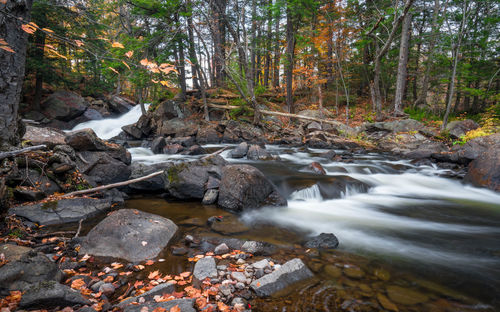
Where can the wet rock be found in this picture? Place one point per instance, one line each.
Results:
(354, 272)
(330, 155)
(129, 234)
(382, 274)
(258, 248)
(185, 141)
(105, 167)
(133, 131)
(171, 149)
(50, 294)
(332, 271)
(85, 140)
(323, 241)
(405, 296)
(195, 150)
(151, 185)
(289, 273)
(120, 105)
(458, 128)
(317, 168)
(179, 251)
(48, 136)
(92, 114)
(158, 144)
(208, 134)
(245, 187)
(29, 269)
(210, 197)
(192, 222)
(255, 152)
(205, 268)
(13, 252)
(240, 151)
(220, 249)
(229, 225)
(162, 289)
(386, 303)
(64, 105)
(484, 171)
(107, 289)
(64, 210)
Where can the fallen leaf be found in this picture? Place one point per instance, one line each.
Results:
(116, 265)
(77, 283)
(117, 45)
(108, 279)
(149, 262)
(185, 274)
(160, 309)
(154, 274)
(175, 309)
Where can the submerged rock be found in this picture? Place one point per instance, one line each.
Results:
(129, 234)
(229, 225)
(323, 241)
(405, 296)
(288, 274)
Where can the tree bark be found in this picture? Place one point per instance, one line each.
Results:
(192, 51)
(269, 38)
(402, 66)
(277, 56)
(12, 15)
(290, 57)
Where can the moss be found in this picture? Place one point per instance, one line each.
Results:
(52, 205)
(173, 174)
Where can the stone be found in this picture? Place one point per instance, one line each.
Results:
(382, 274)
(161, 289)
(92, 114)
(65, 210)
(332, 271)
(239, 151)
(288, 274)
(208, 134)
(238, 276)
(484, 171)
(386, 303)
(354, 272)
(323, 241)
(119, 105)
(195, 150)
(205, 268)
(212, 183)
(458, 128)
(255, 152)
(405, 296)
(258, 248)
(85, 140)
(244, 187)
(219, 250)
(330, 155)
(176, 126)
(13, 252)
(158, 144)
(64, 105)
(107, 289)
(185, 141)
(31, 268)
(105, 167)
(262, 264)
(151, 185)
(47, 136)
(51, 294)
(171, 149)
(133, 131)
(23, 194)
(314, 126)
(129, 234)
(317, 168)
(210, 197)
(229, 225)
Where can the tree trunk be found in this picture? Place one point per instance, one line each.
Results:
(290, 51)
(267, 65)
(192, 51)
(403, 63)
(12, 67)
(277, 56)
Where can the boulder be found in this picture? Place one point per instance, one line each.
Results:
(133, 131)
(239, 151)
(208, 134)
(176, 126)
(485, 170)
(162, 289)
(13, 252)
(255, 152)
(323, 241)
(106, 167)
(184, 305)
(129, 234)
(120, 105)
(288, 274)
(65, 210)
(205, 268)
(158, 144)
(48, 136)
(51, 294)
(173, 149)
(458, 128)
(64, 105)
(85, 140)
(185, 141)
(152, 185)
(43, 182)
(195, 150)
(29, 269)
(317, 168)
(472, 149)
(245, 187)
(92, 114)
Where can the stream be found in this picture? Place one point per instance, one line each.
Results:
(414, 231)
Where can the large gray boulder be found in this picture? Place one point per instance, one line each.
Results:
(105, 167)
(151, 185)
(129, 234)
(485, 170)
(65, 210)
(29, 269)
(85, 140)
(48, 136)
(458, 128)
(205, 267)
(209, 134)
(64, 105)
(51, 294)
(162, 289)
(120, 105)
(288, 274)
(245, 187)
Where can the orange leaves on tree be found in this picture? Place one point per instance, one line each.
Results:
(129, 54)
(48, 30)
(77, 283)
(114, 70)
(29, 28)
(149, 262)
(154, 275)
(117, 45)
(5, 46)
(79, 43)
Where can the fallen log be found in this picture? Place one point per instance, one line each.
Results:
(4, 155)
(267, 112)
(112, 185)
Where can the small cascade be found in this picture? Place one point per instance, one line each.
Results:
(308, 194)
(110, 127)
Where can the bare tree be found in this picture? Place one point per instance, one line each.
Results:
(402, 65)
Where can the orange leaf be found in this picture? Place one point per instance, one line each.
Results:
(108, 279)
(116, 265)
(77, 284)
(185, 274)
(28, 28)
(7, 48)
(160, 309)
(175, 309)
(117, 45)
(154, 275)
(149, 262)
(129, 54)
(126, 64)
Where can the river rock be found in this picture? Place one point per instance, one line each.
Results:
(177, 127)
(405, 296)
(51, 294)
(210, 197)
(129, 234)
(323, 241)
(29, 269)
(354, 272)
(105, 167)
(255, 152)
(245, 187)
(229, 225)
(64, 105)
(162, 289)
(85, 140)
(220, 249)
(48, 136)
(65, 210)
(332, 271)
(205, 268)
(208, 134)
(289, 273)
(119, 105)
(317, 168)
(171, 149)
(158, 144)
(133, 131)
(386, 303)
(258, 248)
(195, 150)
(458, 128)
(240, 151)
(13, 252)
(151, 185)
(184, 305)
(485, 170)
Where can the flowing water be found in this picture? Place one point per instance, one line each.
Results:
(416, 227)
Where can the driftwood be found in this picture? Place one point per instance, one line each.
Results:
(113, 185)
(267, 112)
(4, 155)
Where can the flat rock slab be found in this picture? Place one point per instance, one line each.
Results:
(51, 294)
(185, 305)
(62, 211)
(129, 234)
(205, 267)
(288, 274)
(48, 136)
(13, 252)
(165, 288)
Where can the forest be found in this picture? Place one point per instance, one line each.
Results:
(249, 155)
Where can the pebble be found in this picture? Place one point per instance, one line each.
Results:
(259, 273)
(239, 285)
(238, 276)
(221, 267)
(95, 287)
(221, 249)
(225, 289)
(240, 261)
(108, 289)
(262, 264)
(189, 238)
